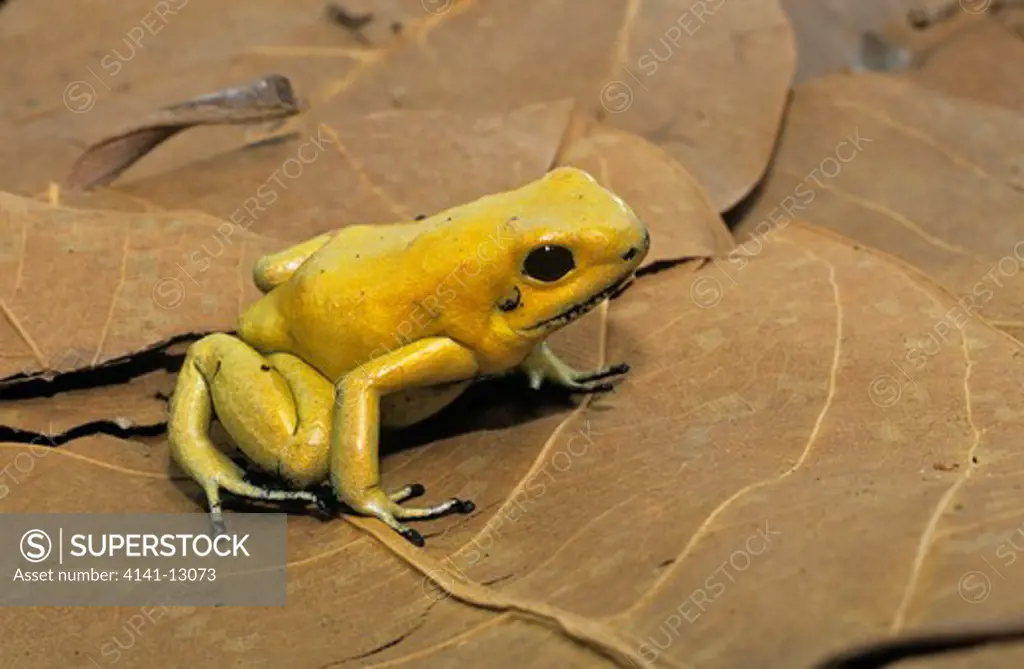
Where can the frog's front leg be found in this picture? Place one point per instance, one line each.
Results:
(354, 459)
(543, 365)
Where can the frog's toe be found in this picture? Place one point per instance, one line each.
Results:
(465, 506)
(410, 491)
(613, 370)
(413, 537)
(453, 505)
(327, 503)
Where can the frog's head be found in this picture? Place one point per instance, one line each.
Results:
(571, 245)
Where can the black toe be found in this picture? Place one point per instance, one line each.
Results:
(614, 370)
(464, 506)
(417, 490)
(326, 502)
(413, 537)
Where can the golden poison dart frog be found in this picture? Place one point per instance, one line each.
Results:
(384, 325)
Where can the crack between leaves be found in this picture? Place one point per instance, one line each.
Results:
(703, 529)
(116, 372)
(112, 372)
(9, 435)
(928, 536)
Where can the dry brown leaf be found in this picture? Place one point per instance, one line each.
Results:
(105, 65)
(760, 469)
(265, 100)
(934, 179)
(81, 288)
(976, 55)
(333, 170)
(830, 33)
(705, 81)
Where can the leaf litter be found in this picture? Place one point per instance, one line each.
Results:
(726, 506)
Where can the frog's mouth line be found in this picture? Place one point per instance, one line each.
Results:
(576, 311)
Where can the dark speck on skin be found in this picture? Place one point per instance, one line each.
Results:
(264, 368)
(449, 219)
(420, 217)
(357, 256)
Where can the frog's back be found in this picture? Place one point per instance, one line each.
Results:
(359, 296)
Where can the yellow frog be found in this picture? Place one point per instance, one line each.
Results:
(386, 325)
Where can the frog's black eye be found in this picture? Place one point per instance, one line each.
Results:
(548, 263)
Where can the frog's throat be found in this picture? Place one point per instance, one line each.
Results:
(579, 309)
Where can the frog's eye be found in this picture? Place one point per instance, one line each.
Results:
(548, 263)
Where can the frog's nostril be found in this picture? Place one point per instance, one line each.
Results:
(630, 254)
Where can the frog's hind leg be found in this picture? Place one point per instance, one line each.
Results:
(275, 269)
(276, 408)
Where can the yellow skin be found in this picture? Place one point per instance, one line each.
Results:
(386, 325)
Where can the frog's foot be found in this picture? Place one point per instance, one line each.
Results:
(587, 381)
(408, 492)
(238, 486)
(597, 381)
(542, 365)
(386, 507)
